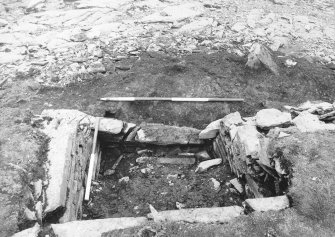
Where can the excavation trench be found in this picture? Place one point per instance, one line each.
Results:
(161, 175)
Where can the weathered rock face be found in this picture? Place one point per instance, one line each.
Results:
(95, 228)
(167, 135)
(268, 118)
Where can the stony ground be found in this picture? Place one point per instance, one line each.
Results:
(68, 54)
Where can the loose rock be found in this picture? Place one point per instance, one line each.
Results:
(268, 204)
(268, 118)
(205, 165)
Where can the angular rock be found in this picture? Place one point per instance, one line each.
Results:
(29, 215)
(238, 26)
(205, 165)
(237, 185)
(213, 128)
(268, 204)
(216, 184)
(260, 54)
(94, 228)
(10, 57)
(37, 189)
(252, 144)
(167, 135)
(31, 232)
(96, 67)
(176, 161)
(307, 122)
(196, 26)
(198, 215)
(268, 118)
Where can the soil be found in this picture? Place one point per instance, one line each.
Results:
(217, 74)
(165, 186)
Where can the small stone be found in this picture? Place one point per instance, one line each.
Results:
(180, 205)
(268, 118)
(124, 179)
(109, 172)
(37, 189)
(39, 210)
(29, 215)
(202, 155)
(3, 22)
(216, 184)
(205, 165)
(143, 159)
(237, 185)
(290, 63)
(238, 27)
(96, 67)
(81, 37)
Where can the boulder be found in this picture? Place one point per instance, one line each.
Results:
(269, 203)
(167, 135)
(268, 118)
(197, 215)
(94, 228)
(260, 54)
(213, 128)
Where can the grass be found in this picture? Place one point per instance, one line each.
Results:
(313, 181)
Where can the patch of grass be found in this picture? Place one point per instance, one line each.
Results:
(313, 180)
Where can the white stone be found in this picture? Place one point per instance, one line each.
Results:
(237, 185)
(95, 228)
(216, 184)
(29, 215)
(124, 179)
(31, 232)
(205, 165)
(39, 210)
(268, 204)
(198, 215)
(307, 122)
(37, 189)
(213, 128)
(268, 118)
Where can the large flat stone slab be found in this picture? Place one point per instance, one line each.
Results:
(198, 215)
(269, 118)
(167, 135)
(94, 228)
